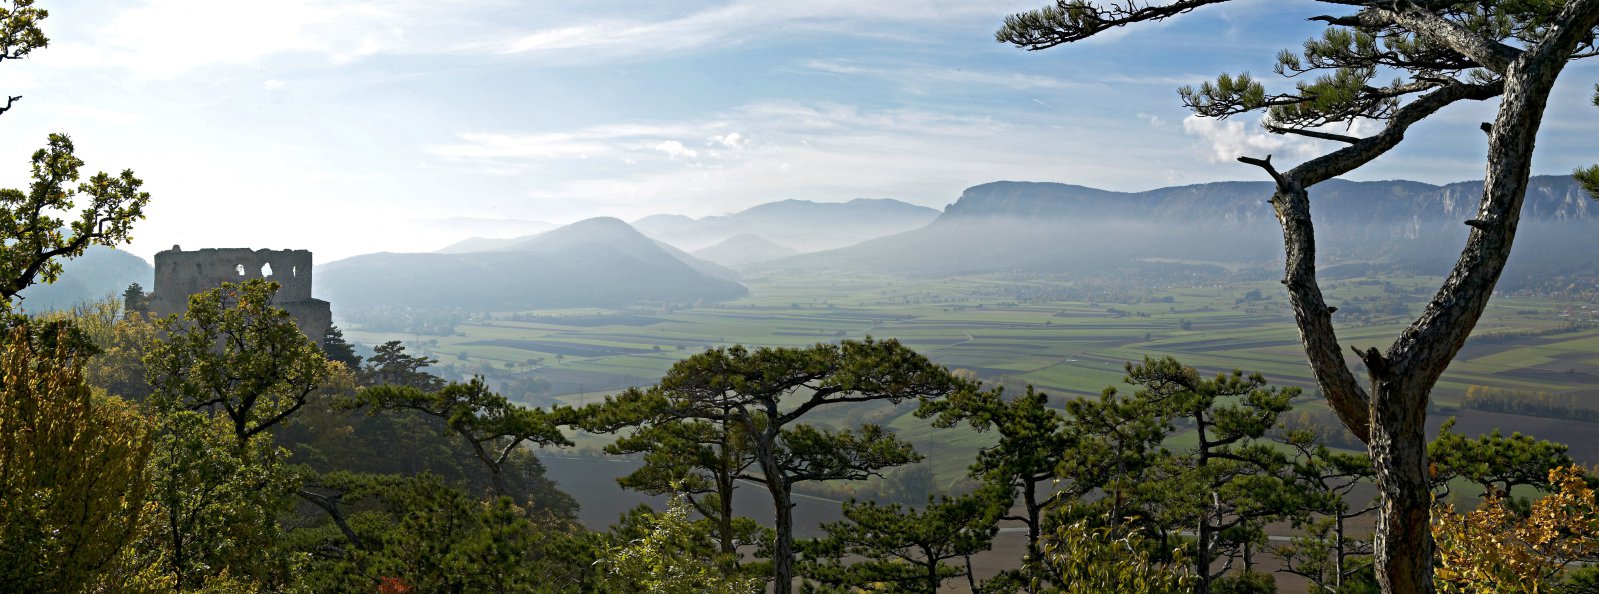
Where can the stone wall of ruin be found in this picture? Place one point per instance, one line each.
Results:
(180, 273)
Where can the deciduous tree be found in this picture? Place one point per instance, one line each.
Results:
(233, 352)
(73, 475)
(420, 534)
(36, 237)
(33, 236)
(673, 556)
(1495, 545)
(218, 500)
(1111, 557)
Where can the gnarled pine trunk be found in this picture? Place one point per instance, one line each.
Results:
(1402, 548)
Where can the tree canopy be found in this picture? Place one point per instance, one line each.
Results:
(766, 393)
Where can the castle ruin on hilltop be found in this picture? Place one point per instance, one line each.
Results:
(179, 274)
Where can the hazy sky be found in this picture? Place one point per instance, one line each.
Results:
(353, 126)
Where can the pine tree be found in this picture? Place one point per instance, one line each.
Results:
(1443, 52)
(765, 393)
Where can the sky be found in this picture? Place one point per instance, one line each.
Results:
(357, 126)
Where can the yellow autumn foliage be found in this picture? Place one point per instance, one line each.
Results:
(1493, 549)
(72, 472)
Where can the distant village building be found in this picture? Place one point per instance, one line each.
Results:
(179, 274)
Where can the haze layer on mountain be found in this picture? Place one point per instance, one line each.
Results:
(1195, 232)
(599, 262)
(1060, 228)
(798, 225)
(99, 273)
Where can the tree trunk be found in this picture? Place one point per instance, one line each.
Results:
(1402, 549)
(1338, 550)
(178, 560)
(724, 494)
(782, 506)
(726, 482)
(1030, 499)
(1391, 419)
(1202, 540)
(783, 549)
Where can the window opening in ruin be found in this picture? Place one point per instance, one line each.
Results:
(266, 270)
(294, 271)
(240, 269)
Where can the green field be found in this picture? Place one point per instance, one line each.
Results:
(972, 322)
(1007, 329)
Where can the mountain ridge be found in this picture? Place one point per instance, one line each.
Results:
(1054, 227)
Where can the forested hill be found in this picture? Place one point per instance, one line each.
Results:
(1051, 227)
(599, 262)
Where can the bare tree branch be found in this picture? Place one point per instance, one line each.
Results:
(1311, 134)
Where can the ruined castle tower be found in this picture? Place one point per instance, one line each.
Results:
(179, 274)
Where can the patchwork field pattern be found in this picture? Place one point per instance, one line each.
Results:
(1066, 348)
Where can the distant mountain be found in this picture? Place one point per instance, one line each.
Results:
(599, 262)
(1385, 204)
(743, 249)
(622, 236)
(1049, 227)
(615, 234)
(99, 272)
(801, 225)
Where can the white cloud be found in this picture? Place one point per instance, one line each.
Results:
(676, 150)
(1228, 139)
(738, 21)
(620, 142)
(942, 78)
(165, 39)
(811, 151)
(272, 85)
(731, 140)
(161, 39)
(1155, 121)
